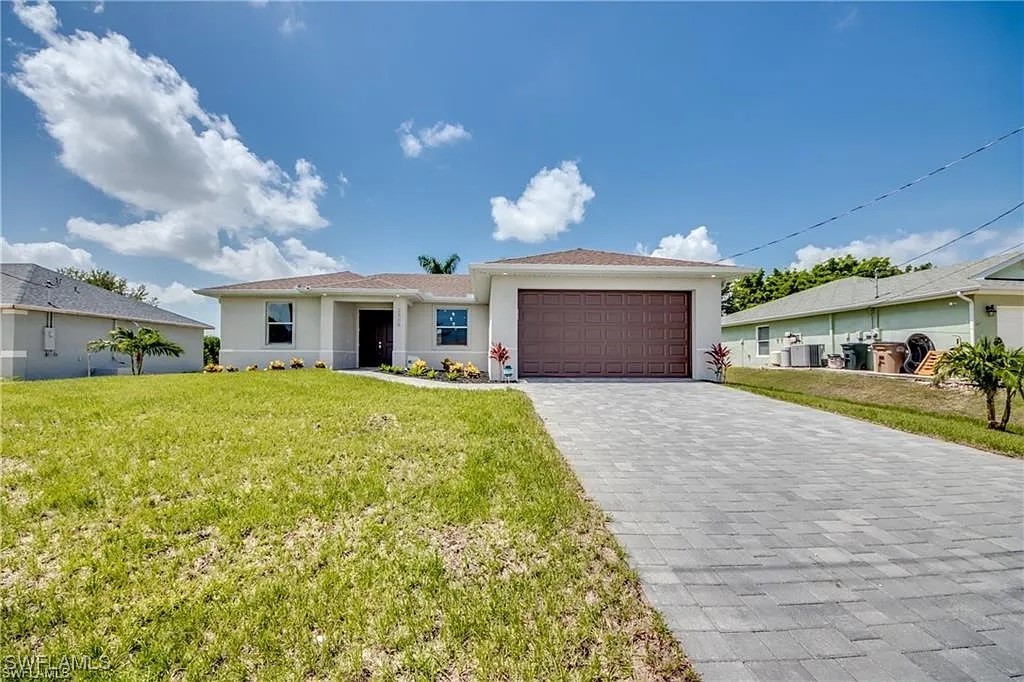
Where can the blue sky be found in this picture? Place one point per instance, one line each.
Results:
(189, 144)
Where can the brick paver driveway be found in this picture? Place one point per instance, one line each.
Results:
(784, 543)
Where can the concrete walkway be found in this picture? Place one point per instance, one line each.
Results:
(785, 543)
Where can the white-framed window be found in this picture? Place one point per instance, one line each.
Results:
(763, 343)
(452, 325)
(280, 323)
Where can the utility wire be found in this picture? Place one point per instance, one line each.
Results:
(877, 199)
(968, 233)
(963, 269)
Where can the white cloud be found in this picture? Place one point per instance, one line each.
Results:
(291, 25)
(39, 17)
(440, 134)
(554, 198)
(51, 255)
(697, 245)
(98, 7)
(133, 128)
(180, 299)
(898, 249)
(342, 183)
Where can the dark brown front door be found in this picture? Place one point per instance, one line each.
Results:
(565, 333)
(375, 338)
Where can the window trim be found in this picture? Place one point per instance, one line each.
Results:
(439, 346)
(758, 341)
(267, 323)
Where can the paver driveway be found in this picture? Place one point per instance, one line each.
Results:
(785, 543)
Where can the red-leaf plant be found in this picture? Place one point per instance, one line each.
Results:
(718, 360)
(500, 353)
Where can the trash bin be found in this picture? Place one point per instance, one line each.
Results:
(836, 361)
(785, 357)
(856, 355)
(889, 357)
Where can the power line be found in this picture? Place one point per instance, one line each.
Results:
(968, 233)
(877, 199)
(965, 268)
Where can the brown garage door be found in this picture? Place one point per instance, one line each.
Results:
(566, 333)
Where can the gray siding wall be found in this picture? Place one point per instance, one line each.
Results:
(24, 332)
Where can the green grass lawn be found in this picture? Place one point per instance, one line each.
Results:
(956, 415)
(304, 524)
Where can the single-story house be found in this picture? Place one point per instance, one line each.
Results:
(47, 318)
(577, 313)
(948, 305)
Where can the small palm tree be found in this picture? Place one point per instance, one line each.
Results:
(137, 344)
(989, 367)
(436, 267)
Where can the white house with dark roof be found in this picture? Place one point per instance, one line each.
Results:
(47, 318)
(578, 313)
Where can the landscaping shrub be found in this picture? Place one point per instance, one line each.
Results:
(419, 368)
(212, 368)
(211, 350)
(252, 368)
(276, 364)
(297, 363)
(990, 367)
(719, 361)
(470, 371)
(320, 364)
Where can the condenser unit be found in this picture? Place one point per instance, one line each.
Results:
(807, 354)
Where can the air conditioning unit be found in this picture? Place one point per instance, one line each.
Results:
(807, 354)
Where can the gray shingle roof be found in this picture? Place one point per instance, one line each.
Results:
(859, 292)
(25, 285)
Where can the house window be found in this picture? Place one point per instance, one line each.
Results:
(762, 341)
(280, 323)
(452, 326)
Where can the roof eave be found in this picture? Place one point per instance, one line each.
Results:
(196, 324)
(877, 303)
(306, 291)
(725, 272)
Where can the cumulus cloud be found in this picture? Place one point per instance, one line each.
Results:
(554, 199)
(696, 245)
(440, 134)
(51, 255)
(38, 17)
(133, 128)
(98, 7)
(898, 249)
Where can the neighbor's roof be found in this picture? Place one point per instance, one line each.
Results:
(433, 285)
(29, 286)
(853, 293)
(595, 257)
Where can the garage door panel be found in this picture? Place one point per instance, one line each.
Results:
(604, 333)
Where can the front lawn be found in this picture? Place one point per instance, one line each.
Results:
(307, 525)
(953, 414)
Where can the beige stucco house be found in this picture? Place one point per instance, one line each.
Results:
(577, 313)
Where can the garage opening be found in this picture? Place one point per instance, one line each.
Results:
(587, 333)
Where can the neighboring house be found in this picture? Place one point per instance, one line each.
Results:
(568, 314)
(47, 318)
(949, 305)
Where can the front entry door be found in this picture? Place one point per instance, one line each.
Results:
(375, 338)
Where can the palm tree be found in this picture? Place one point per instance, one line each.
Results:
(989, 367)
(436, 267)
(136, 344)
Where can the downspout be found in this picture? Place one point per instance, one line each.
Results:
(831, 333)
(970, 315)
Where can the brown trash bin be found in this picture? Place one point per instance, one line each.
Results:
(889, 357)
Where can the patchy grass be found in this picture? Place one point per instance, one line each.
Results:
(952, 414)
(307, 525)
